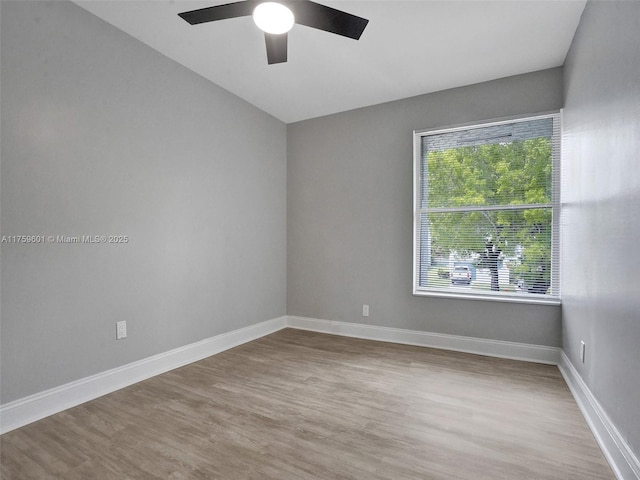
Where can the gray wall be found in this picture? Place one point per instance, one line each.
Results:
(601, 203)
(103, 135)
(350, 213)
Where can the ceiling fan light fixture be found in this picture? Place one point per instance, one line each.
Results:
(273, 17)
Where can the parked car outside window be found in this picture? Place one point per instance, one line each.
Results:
(461, 274)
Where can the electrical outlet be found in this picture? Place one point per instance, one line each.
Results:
(583, 347)
(365, 310)
(121, 330)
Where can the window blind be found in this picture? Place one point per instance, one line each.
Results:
(487, 209)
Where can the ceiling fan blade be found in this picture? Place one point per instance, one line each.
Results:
(329, 19)
(276, 47)
(220, 12)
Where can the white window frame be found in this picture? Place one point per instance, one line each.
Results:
(552, 299)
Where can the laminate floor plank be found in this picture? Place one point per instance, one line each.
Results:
(299, 405)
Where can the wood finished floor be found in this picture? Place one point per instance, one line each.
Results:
(299, 405)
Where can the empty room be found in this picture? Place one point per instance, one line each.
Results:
(307, 240)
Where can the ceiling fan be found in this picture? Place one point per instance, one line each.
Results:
(277, 18)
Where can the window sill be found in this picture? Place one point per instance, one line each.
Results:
(532, 300)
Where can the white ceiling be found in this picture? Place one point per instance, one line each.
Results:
(408, 48)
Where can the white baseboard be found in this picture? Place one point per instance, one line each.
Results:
(40, 405)
(623, 462)
(480, 346)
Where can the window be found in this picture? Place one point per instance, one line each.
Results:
(487, 210)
